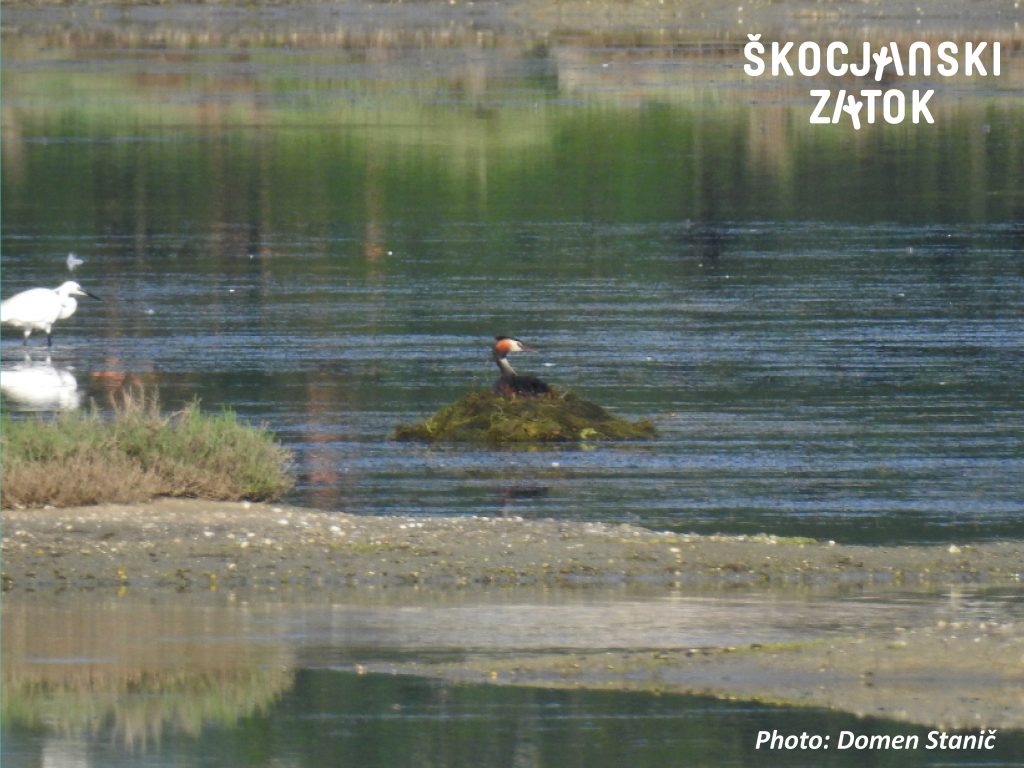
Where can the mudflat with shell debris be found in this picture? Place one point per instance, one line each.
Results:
(957, 674)
(175, 543)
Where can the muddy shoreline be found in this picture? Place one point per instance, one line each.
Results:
(178, 544)
(948, 677)
(303, 22)
(905, 665)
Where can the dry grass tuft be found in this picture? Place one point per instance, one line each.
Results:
(139, 453)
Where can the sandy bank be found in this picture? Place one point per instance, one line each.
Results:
(915, 664)
(950, 676)
(176, 543)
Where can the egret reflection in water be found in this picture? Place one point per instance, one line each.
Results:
(33, 385)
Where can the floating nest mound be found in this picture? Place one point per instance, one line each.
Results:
(486, 417)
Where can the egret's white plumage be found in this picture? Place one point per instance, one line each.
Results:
(37, 309)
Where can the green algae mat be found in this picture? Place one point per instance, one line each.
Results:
(559, 416)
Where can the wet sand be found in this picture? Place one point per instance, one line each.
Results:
(948, 676)
(183, 543)
(903, 664)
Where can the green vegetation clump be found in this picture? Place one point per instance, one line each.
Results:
(486, 417)
(138, 454)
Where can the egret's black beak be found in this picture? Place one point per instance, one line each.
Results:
(92, 296)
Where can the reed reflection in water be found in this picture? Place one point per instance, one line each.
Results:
(248, 679)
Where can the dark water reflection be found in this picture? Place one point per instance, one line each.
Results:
(254, 680)
(825, 324)
(340, 718)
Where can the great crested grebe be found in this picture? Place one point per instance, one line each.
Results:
(37, 309)
(510, 383)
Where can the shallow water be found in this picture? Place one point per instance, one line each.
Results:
(240, 679)
(319, 217)
(382, 721)
(785, 402)
(323, 235)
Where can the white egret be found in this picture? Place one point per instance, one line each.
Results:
(73, 261)
(37, 309)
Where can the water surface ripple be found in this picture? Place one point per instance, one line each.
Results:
(323, 237)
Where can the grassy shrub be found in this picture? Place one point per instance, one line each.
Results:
(139, 453)
(485, 417)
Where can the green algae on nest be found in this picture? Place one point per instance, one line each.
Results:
(559, 416)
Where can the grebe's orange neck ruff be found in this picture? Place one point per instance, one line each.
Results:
(511, 384)
(503, 346)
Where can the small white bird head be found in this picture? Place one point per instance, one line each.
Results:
(65, 292)
(71, 288)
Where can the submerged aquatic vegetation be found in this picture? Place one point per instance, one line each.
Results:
(139, 453)
(559, 416)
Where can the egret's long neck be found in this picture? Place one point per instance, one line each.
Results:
(68, 305)
(503, 365)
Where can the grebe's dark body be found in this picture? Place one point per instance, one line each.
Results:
(519, 386)
(510, 383)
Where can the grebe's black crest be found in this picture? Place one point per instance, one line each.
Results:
(510, 383)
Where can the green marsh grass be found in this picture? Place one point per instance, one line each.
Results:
(139, 453)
